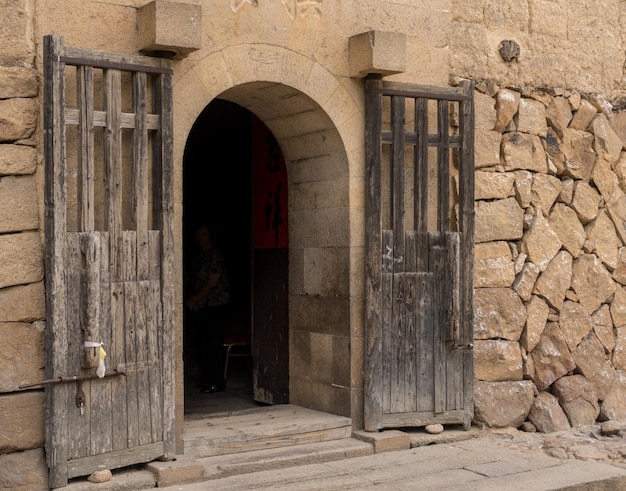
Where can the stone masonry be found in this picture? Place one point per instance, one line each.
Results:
(550, 256)
(550, 259)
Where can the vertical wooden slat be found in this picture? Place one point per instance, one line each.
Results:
(80, 443)
(113, 167)
(56, 417)
(411, 340)
(168, 280)
(372, 376)
(143, 377)
(397, 324)
(139, 200)
(443, 167)
(153, 325)
(437, 266)
(454, 363)
(388, 345)
(420, 156)
(86, 194)
(118, 347)
(131, 320)
(466, 227)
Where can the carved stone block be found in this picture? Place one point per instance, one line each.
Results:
(169, 27)
(377, 52)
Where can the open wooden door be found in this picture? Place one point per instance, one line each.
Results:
(419, 250)
(109, 260)
(270, 323)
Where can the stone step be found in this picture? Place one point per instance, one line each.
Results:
(277, 458)
(261, 428)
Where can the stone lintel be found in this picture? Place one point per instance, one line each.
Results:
(378, 52)
(173, 27)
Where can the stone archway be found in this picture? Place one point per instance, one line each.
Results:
(317, 120)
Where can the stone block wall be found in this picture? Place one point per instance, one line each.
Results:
(550, 258)
(22, 309)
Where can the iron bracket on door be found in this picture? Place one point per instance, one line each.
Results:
(468, 346)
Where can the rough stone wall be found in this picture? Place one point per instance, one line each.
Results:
(22, 310)
(550, 259)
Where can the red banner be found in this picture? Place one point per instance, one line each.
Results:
(270, 189)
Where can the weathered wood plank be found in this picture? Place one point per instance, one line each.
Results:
(143, 377)
(372, 374)
(168, 279)
(99, 119)
(56, 423)
(411, 341)
(443, 167)
(154, 321)
(139, 196)
(114, 460)
(387, 326)
(425, 91)
(113, 168)
(454, 368)
(466, 227)
(420, 174)
(426, 308)
(86, 192)
(79, 444)
(118, 388)
(399, 420)
(437, 266)
(130, 312)
(118, 61)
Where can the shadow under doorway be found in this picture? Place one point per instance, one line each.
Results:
(219, 178)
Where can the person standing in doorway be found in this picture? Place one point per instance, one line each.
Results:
(209, 302)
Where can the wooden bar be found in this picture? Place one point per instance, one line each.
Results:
(86, 193)
(411, 139)
(139, 197)
(443, 167)
(423, 91)
(118, 61)
(113, 168)
(99, 119)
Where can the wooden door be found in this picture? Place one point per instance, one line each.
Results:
(270, 339)
(419, 249)
(109, 259)
(270, 266)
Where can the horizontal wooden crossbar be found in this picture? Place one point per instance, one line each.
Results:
(127, 120)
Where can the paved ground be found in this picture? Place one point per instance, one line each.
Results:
(580, 459)
(491, 463)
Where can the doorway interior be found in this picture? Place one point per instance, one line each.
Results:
(225, 149)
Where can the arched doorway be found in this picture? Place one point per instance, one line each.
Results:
(325, 267)
(235, 179)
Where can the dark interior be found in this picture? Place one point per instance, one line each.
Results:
(217, 187)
